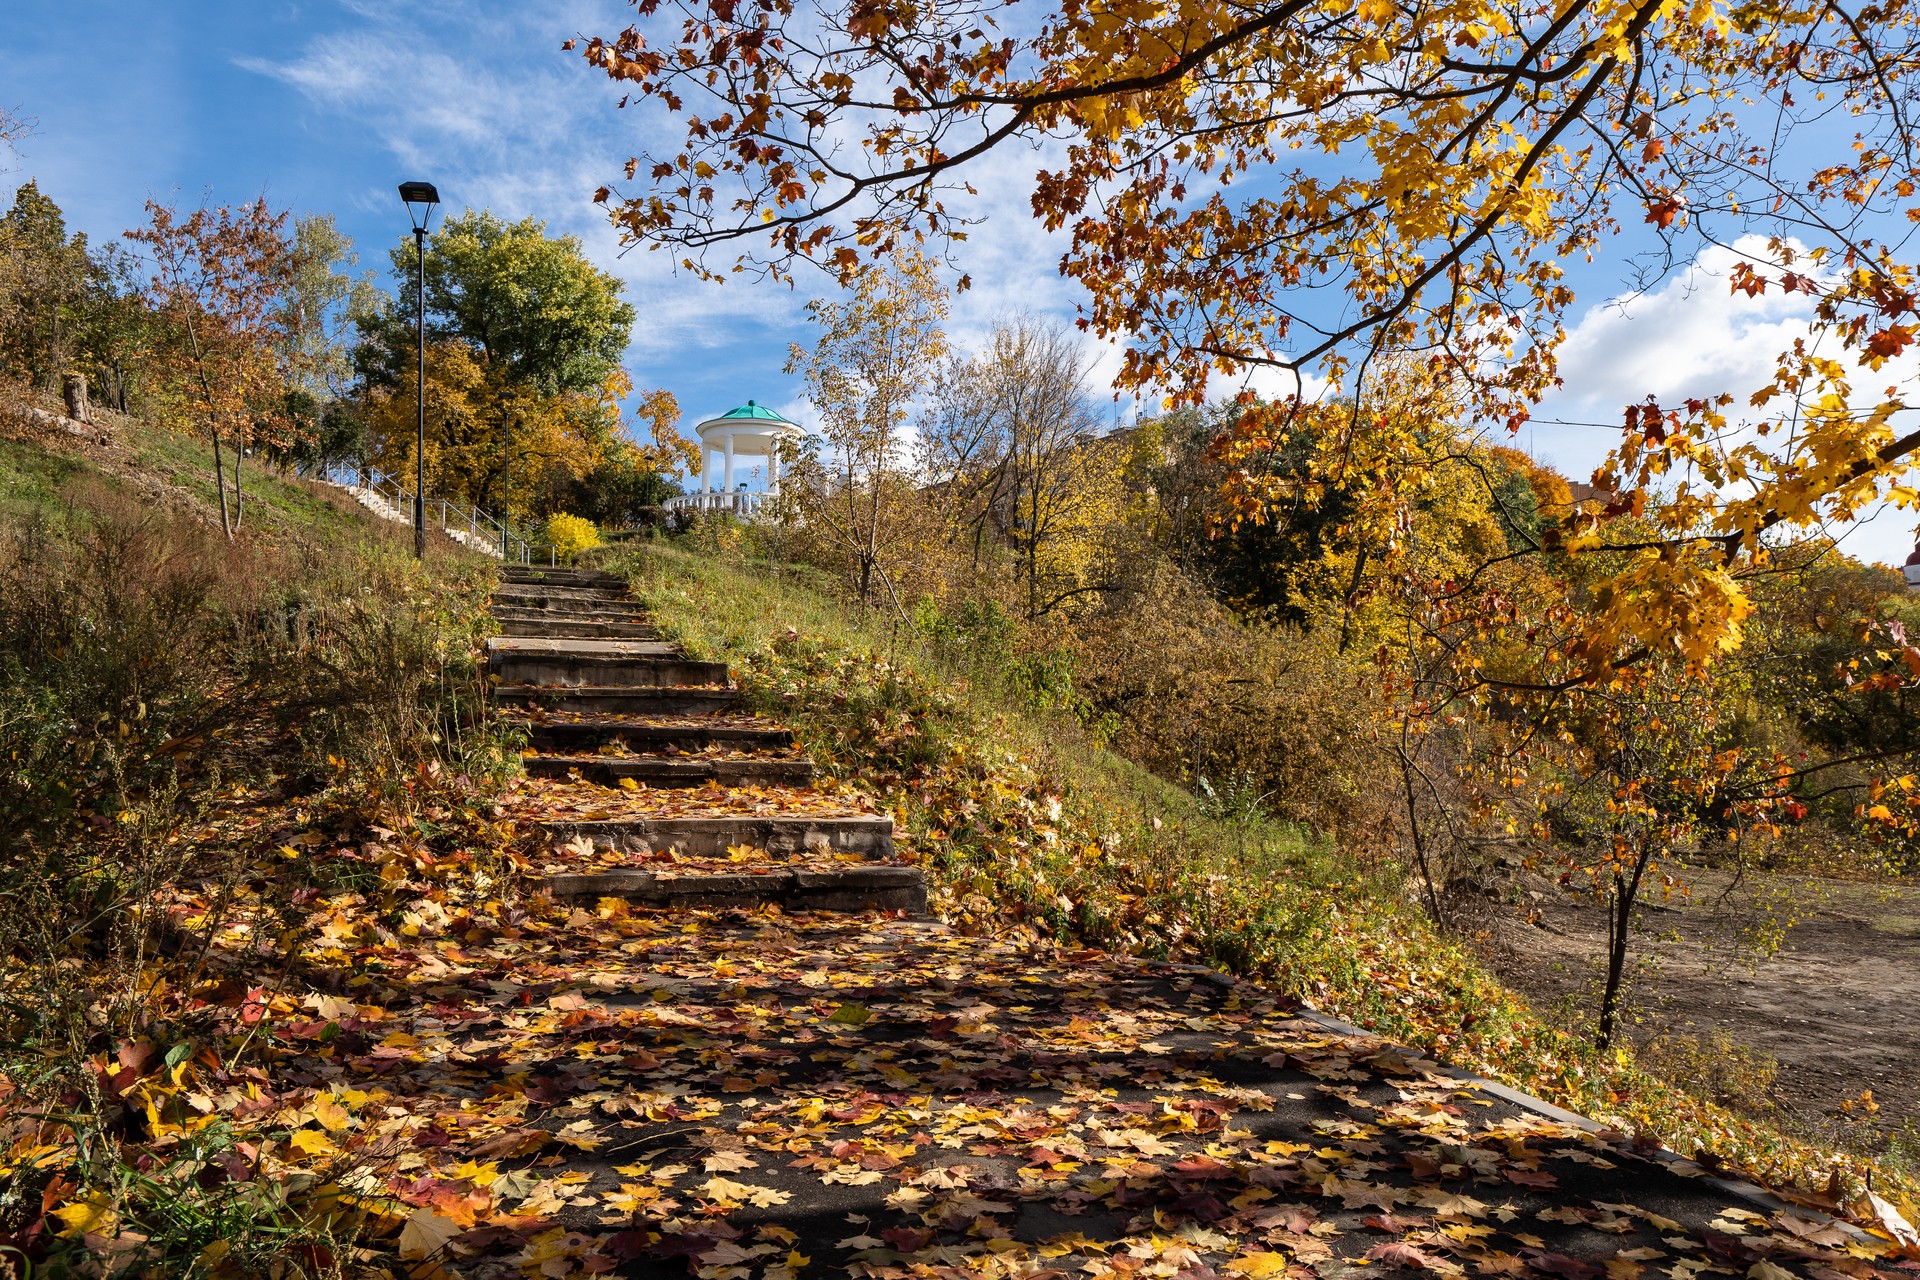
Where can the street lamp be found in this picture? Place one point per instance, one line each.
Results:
(420, 198)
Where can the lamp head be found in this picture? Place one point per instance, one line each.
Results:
(420, 198)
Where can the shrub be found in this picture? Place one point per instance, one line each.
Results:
(160, 688)
(571, 535)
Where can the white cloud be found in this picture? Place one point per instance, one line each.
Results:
(482, 101)
(1694, 336)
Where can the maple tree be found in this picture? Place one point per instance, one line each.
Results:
(219, 278)
(1303, 186)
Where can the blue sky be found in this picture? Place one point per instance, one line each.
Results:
(326, 105)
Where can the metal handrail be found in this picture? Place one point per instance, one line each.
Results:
(514, 546)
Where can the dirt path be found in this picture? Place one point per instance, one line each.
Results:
(1837, 1006)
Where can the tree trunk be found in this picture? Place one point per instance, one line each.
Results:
(220, 483)
(1033, 554)
(1626, 890)
(1419, 838)
(1353, 591)
(73, 390)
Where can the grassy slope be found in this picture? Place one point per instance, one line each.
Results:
(158, 464)
(1021, 818)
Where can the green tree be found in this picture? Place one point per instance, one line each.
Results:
(324, 297)
(116, 330)
(622, 485)
(46, 277)
(531, 303)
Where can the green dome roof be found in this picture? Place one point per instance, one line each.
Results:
(750, 410)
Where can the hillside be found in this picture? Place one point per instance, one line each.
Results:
(41, 464)
(335, 783)
(1027, 819)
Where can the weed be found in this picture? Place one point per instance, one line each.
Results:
(1715, 1068)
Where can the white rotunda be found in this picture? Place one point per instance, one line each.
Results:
(751, 431)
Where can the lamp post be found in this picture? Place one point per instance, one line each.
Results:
(420, 198)
(506, 480)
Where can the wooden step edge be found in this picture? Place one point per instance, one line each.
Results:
(657, 770)
(848, 889)
(865, 835)
(501, 657)
(516, 630)
(771, 737)
(658, 692)
(713, 733)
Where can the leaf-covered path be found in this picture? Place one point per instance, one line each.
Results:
(693, 1083)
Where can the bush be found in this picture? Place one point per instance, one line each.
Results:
(570, 535)
(160, 690)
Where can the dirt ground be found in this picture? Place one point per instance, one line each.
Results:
(1836, 1005)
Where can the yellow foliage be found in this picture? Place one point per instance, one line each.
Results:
(570, 535)
(1312, 189)
(473, 414)
(95, 1214)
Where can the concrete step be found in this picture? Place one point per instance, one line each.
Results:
(541, 575)
(593, 611)
(550, 598)
(542, 625)
(585, 735)
(870, 836)
(568, 582)
(834, 889)
(655, 771)
(618, 699)
(628, 611)
(596, 663)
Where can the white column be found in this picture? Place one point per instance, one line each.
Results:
(728, 486)
(773, 466)
(706, 467)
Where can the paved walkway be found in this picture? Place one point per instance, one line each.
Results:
(642, 1070)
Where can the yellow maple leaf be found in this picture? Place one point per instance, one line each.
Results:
(312, 1142)
(480, 1175)
(331, 1115)
(727, 1191)
(94, 1214)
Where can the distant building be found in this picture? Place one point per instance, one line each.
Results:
(751, 431)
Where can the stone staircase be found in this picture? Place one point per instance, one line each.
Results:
(651, 781)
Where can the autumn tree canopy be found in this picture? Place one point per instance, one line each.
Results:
(1306, 185)
(532, 303)
(219, 287)
(526, 336)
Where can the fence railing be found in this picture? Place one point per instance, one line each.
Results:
(741, 503)
(465, 523)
